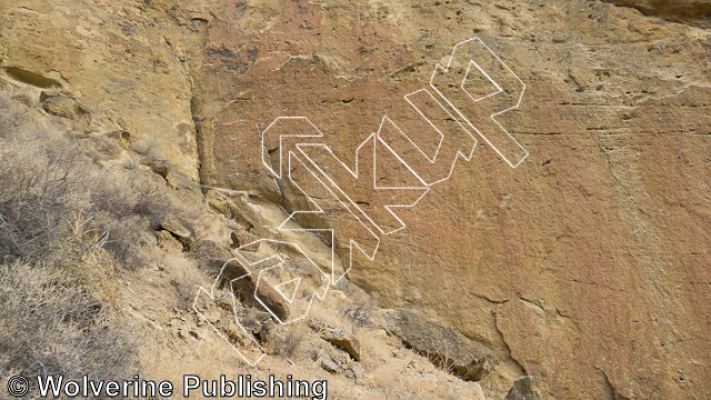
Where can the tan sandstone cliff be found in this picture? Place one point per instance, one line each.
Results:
(588, 266)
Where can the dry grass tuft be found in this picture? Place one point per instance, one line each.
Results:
(360, 310)
(293, 341)
(48, 325)
(52, 187)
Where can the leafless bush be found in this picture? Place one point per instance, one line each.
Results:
(293, 339)
(36, 183)
(361, 308)
(48, 325)
(47, 180)
(442, 357)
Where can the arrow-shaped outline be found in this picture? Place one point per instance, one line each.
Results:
(351, 243)
(265, 152)
(240, 259)
(375, 137)
(434, 159)
(211, 296)
(445, 70)
(325, 277)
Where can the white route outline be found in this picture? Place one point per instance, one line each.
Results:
(325, 277)
(240, 259)
(248, 334)
(434, 158)
(265, 151)
(339, 194)
(320, 211)
(296, 289)
(494, 115)
(469, 67)
(356, 174)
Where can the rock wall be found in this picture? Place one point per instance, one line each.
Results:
(587, 266)
(696, 12)
(127, 63)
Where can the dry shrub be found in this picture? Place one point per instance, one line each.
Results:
(361, 308)
(48, 325)
(442, 358)
(48, 181)
(293, 341)
(186, 280)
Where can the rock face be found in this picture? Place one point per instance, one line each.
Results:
(694, 11)
(586, 266)
(444, 346)
(524, 388)
(127, 63)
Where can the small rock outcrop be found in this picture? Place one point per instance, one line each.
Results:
(696, 11)
(327, 363)
(344, 340)
(63, 104)
(168, 242)
(172, 224)
(122, 137)
(211, 256)
(161, 167)
(444, 346)
(524, 388)
(243, 281)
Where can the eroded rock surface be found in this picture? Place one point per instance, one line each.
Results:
(603, 229)
(524, 388)
(585, 267)
(689, 11)
(126, 62)
(444, 346)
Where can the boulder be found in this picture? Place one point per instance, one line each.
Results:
(524, 388)
(444, 346)
(329, 365)
(122, 136)
(161, 167)
(63, 104)
(168, 242)
(243, 281)
(174, 225)
(344, 340)
(326, 361)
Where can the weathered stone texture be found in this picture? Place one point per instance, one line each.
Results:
(587, 267)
